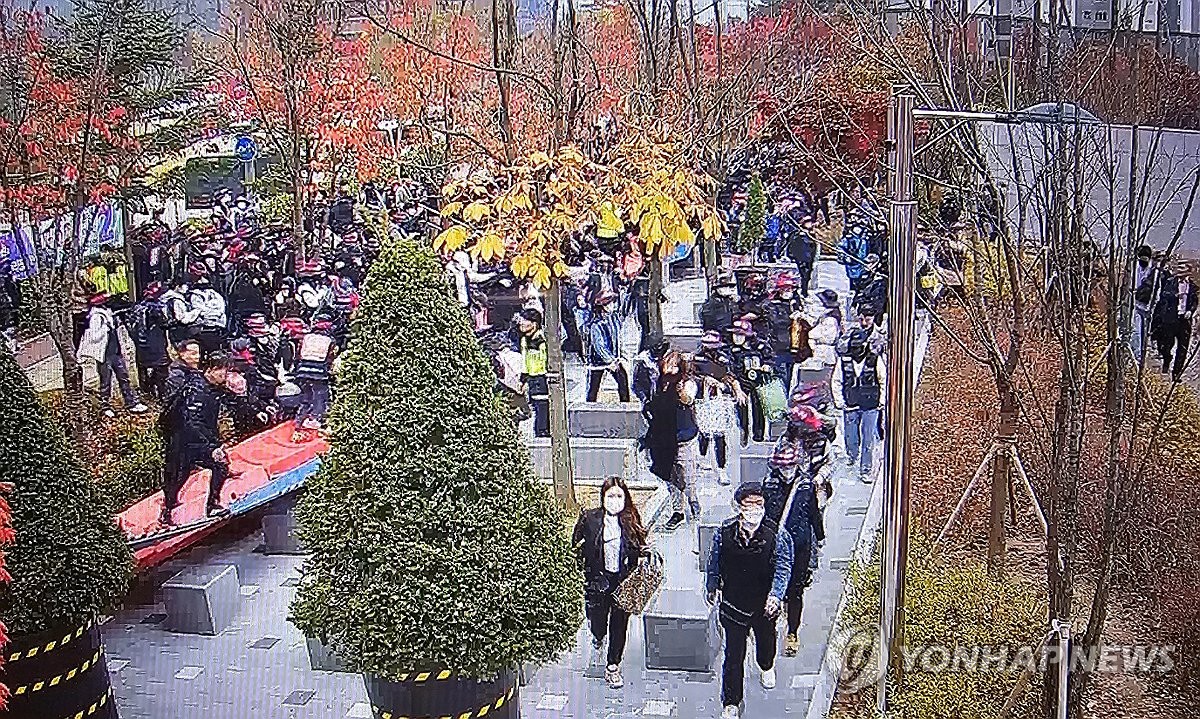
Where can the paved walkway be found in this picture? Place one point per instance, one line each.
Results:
(259, 666)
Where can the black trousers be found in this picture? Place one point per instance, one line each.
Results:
(606, 618)
(721, 445)
(795, 605)
(733, 671)
(539, 400)
(1176, 339)
(804, 270)
(751, 415)
(181, 460)
(596, 376)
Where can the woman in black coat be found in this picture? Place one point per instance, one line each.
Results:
(609, 540)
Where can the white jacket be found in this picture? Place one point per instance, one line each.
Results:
(179, 309)
(823, 339)
(210, 306)
(94, 343)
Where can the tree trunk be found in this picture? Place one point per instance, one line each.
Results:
(60, 328)
(1006, 436)
(562, 471)
(654, 301)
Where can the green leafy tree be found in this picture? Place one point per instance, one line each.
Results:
(69, 560)
(754, 228)
(432, 545)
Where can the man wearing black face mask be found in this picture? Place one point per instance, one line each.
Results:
(857, 388)
(1146, 284)
(750, 564)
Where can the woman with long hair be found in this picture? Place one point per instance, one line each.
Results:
(609, 540)
(672, 431)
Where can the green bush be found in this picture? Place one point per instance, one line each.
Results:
(432, 545)
(754, 228)
(950, 601)
(70, 560)
(135, 468)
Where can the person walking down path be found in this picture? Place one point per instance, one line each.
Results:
(609, 541)
(603, 329)
(101, 344)
(857, 388)
(717, 401)
(1173, 316)
(1146, 284)
(749, 568)
(671, 434)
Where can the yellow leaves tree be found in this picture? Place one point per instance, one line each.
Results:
(667, 197)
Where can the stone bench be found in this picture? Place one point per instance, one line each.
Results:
(323, 659)
(279, 534)
(202, 600)
(685, 338)
(594, 458)
(681, 632)
(752, 466)
(600, 420)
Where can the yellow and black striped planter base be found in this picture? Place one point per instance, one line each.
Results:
(60, 674)
(443, 695)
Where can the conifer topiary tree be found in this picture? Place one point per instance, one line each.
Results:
(754, 227)
(432, 544)
(69, 560)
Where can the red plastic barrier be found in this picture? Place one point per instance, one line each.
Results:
(252, 465)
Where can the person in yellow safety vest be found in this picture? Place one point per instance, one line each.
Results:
(533, 352)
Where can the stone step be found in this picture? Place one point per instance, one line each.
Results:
(606, 420)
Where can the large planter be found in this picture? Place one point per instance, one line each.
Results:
(59, 674)
(442, 694)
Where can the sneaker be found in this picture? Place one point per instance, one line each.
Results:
(109, 413)
(139, 408)
(767, 679)
(597, 643)
(723, 477)
(791, 646)
(216, 510)
(612, 675)
(165, 518)
(866, 477)
(730, 712)
(674, 522)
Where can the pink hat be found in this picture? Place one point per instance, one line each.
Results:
(743, 327)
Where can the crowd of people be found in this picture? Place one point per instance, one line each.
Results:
(233, 319)
(777, 351)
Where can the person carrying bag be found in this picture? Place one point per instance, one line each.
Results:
(610, 543)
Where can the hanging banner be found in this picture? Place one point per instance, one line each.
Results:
(100, 228)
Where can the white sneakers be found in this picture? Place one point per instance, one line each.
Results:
(731, 712)
(139, 408)
(612, 675)
(723, 476)
(767, 679)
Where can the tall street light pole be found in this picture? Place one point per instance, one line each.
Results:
(901, 381)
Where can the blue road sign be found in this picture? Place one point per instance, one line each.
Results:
(246, 149)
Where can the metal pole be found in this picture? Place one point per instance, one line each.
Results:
(901, 380)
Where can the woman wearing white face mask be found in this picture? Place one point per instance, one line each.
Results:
(609, 540)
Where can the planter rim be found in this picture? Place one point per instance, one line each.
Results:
(44, 642)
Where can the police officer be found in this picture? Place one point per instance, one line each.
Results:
(194, 441)
(750, 565)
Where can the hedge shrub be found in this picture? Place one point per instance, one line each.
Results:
(134, 468)
(69, 560)
(432, 544)
(950, 601)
